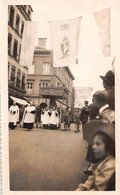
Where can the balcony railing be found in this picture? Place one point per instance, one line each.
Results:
(59, 93)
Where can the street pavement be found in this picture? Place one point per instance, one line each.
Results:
(46, 160)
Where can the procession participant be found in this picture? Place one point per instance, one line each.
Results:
(84, 114)
(109, 84)
(102, 138)
(54, 118)
(77, 120)
(21, 111)
(38, 113)
(46, 118)
(13, 115)
(29, 116)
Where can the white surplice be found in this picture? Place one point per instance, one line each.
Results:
(14, 114)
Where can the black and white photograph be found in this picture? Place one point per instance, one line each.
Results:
(61, 75)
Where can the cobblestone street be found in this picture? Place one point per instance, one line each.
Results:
(49, 160)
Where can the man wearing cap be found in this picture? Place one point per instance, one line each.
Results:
(84, 114)
(109, 84)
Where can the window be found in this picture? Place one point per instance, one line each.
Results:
(23, 81)
(18, 79)
(19, 51)
(29, 13)
(46, 68)
(8, 68)
(11, 18)
(13, 74)
(15, 49)
(22, 28)
(44, 85)
(9, 43)
(17, 22)
(29, 87)
(24, 7)
(58, 84)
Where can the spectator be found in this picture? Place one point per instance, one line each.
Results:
(102, 137)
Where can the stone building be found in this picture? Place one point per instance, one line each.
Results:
(17, 75)
(48, 85)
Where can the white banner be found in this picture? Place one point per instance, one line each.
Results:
(103, 24)
(28, 43)
(64, 36)
(82, 94)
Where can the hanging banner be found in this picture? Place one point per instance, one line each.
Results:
(82, 94)
(28, 43)
(64, 36)
(103, 23)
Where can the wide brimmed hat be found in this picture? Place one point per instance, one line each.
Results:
(95, 126)
(109, 78)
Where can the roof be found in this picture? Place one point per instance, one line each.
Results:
(69, 72)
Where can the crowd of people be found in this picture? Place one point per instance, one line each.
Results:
(98, 126)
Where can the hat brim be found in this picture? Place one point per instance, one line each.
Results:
(106, 80)
(95, 126)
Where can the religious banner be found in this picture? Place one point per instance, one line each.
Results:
(82, 94)
(28, 43)
(64, 36)
(103, 24)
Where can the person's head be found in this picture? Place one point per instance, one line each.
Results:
(103, 145)
(14, 103)
(86, 103)
(31, 103)
(108, 80)
(100, 98)
(46, 108)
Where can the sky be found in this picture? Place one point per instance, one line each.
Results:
(92, 62)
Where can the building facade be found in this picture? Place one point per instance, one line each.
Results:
(17, 75)
(48, 85)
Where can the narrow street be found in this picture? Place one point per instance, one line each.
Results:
(46, 160)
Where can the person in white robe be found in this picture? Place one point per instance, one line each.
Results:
(54, 118)
(13, 115)
(46, 118)
(29, 117)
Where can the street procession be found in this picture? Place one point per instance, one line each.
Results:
(61, 96)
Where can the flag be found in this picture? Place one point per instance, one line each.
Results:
(64, 36)
(103, 24)
(28, 43)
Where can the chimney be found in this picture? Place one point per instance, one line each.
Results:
(42, 42)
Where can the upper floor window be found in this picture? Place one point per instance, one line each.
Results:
(15, 49)
(18, 79)
(11, 18)
(24, 7)
(9, 43)
(22, 28)
(23, 81)
(13, 74)
(29, 87)
(29, 12)
(8, 67)
(19, 51)
(44, 84)
(46, 68)
(17, 22)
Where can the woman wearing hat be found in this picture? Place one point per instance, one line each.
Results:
(102, 137)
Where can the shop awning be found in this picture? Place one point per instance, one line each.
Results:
(19, 101)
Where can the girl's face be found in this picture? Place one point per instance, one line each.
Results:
(99, 147)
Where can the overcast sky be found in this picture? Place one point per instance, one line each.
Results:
(92, 63)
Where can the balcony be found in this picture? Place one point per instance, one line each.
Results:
(54, 92)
